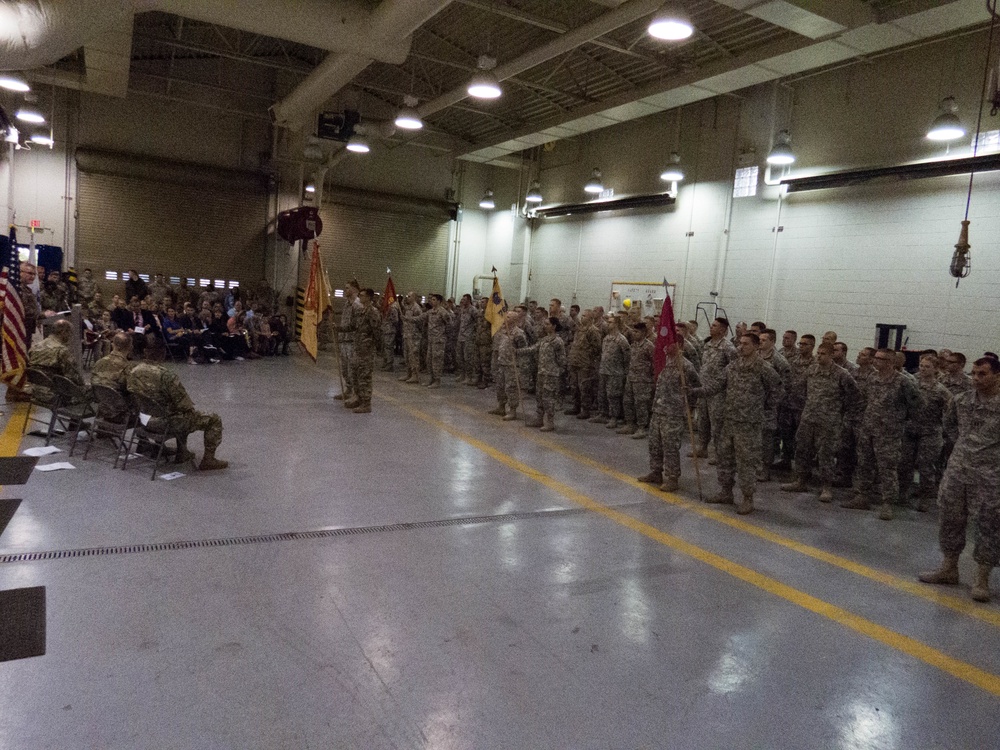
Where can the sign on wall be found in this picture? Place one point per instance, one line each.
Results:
(648, 295)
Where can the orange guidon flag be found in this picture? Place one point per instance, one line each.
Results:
(317, 302)
(388, 296)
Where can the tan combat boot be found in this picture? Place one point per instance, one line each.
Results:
(535, 421)
(746, 505)
(628, 429)
(653, 477)
(826, 494)
(547, 424)
(885, 512)
(352, 402)
(364, 407)
(511, 414)
(946, 575)
(981, 589)
(670, 484)
(210, 463)
(725, 497)
(499, 411)
(799, 485)
(639, 434)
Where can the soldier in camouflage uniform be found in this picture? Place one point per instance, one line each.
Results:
(54, 294)
(112, 371)
(840, 359)
(795, 398)
(584, 358)
(508, 339)
(32, 310)
(749, 386)
(484, 346)
(466, 338)
(769, 430)
(970, 487)
(923, 438)
(390, 326)
(347, 313)
(716, 354)
(668, 420)
(889, 398)
(831, 394)
(527, 363)
(550, 353)
(847, 454)
(86, 287)
(411, 338)
(953, 378)
(451, 337)
(611, 376)
(52, 357)
(156, 383)
(366, 332)
(437, 320)
(158, 288)
(639, 384)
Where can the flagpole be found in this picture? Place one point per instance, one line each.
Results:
(687, 411)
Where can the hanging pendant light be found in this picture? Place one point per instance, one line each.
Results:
(673, 173)
(487, 201)
(781, 154)
(484, 84)
(595, 184)
(27, 115)
(42, 140)
(671, 24)
(310, 187)
(534, 193)
(13, 83)
(408, 117)
(946, 126)
(358, 145)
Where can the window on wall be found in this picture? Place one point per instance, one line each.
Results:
(144, 277)
(233, 284)
(111, 275)
(745, 184)
(175, 280)
(987, 142)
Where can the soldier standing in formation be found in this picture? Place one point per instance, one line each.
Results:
(769, 429)
(716, 354)
(508, 339)
(584, 357)
(550, 351)
(611, 376)
(466, 339)
(366, 333)
(484, 347)
(351, 307)
(639, 387)
(390, 325)
(971, 483)
(411, 338)
(668, 420)
(923, 438)
(437, 320)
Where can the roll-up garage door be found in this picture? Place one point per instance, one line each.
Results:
(181, 220)
(362, 241)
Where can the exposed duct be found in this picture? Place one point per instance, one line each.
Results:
(624, 14)
(390, 22)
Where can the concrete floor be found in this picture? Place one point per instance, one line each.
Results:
(596, 613)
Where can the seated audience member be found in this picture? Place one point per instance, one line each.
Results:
(112, 371)
(52, 357)
(151, 380)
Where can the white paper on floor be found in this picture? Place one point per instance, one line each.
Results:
(42, 450)
(144, 418)
(56, 466)
(172, 475)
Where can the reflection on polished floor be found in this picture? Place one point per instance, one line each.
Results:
(572, 608)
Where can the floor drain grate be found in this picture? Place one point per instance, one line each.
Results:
(289, 536)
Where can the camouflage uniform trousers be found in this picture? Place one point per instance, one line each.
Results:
(505, 380)
(450, 348)
(346, 352)
(637, 402)
(185, 422)
(411, 353)
(527, 365)
(485, 361)
(921, 453)
(471, 354)
(878, 464)
(610, 389)
(769, 439)
(665, 433)
(389, 350)
(788, 426)
(436, 356)
(816, 444)
(738, 450)
(960, 497)
(847, 453)
(361, 376)
(547, 389)
(583, 384)
(710, 421)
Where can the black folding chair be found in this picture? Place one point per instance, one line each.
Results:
(44, 396)
(154, 434)
(76, 406)
(116, 415)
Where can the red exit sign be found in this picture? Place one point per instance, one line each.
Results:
(35, 223)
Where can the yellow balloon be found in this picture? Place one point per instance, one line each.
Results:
(627, 303)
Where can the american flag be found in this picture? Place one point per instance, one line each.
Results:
(15, 344)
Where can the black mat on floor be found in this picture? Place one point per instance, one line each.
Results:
(22, 623)
(7, 510)
(16, 469)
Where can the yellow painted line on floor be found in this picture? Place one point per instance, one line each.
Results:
(917, 649)
(10, 438)
(931, 593)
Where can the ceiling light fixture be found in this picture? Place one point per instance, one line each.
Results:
(42, 140)
(781, 154)
(26, 115)
(946, 126)
(595, 184)
(487, 201)
(13, 83)
(310, 187)
(671, 24)
(408, 117)
(484, 84)
(358, 145)
(673, 173)
(534, 193)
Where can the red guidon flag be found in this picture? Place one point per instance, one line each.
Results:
(666, 332)
(388, 296)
